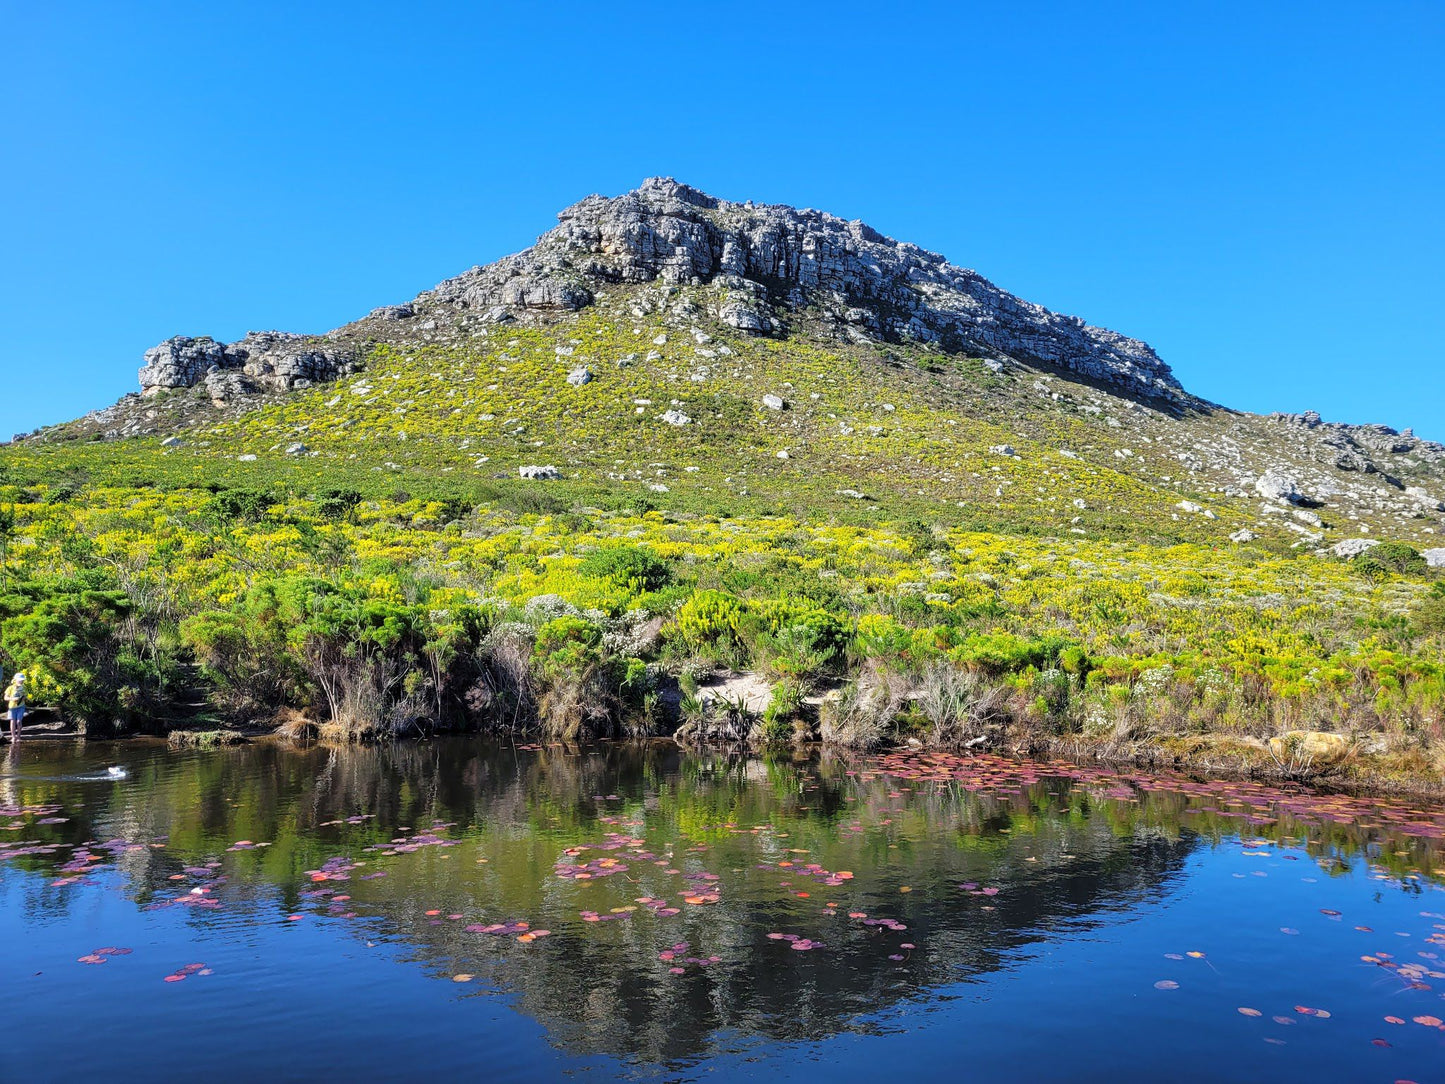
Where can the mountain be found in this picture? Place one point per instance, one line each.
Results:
(900, 375)
(755, 471)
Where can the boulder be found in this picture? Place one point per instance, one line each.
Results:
(1244, 534)
(579, 376)
(393, 312)
(1423, 498)
(1278, 486)
(737, 315)
(1434, 558)
(1312, 748)
(774, 402)
(1353, 547)
(540, 474)
(675, 417)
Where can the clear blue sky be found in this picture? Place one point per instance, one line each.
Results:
(1253, 188)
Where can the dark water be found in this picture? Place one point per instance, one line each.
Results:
(357, 914)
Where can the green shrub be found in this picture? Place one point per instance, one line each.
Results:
(86, 653)
(634, 568)
(709, 621)
(1430, 615)
(336, 503)
(239, 505)
(566, 647)
(1391, 557)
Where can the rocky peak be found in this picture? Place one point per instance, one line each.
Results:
(767, 264)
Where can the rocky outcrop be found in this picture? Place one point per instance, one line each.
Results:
(181, 362)
(262, 361)
(769, 261)
(1366, 448)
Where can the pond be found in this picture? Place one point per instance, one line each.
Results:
(461, 907)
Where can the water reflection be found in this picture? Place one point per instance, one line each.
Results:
(967, 862)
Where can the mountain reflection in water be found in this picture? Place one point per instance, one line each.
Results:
(648, 880)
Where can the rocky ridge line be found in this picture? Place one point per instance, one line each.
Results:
(768, 263)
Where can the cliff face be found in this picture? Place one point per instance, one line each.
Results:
(771, 263)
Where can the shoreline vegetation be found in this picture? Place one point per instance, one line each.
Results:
(336, 615)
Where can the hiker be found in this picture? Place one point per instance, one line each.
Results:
(15, 701)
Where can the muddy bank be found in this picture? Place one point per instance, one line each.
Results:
(1399, 773)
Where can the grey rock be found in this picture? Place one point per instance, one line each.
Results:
(172, 442)
(740, 316)
(1278, 486)
(263, 360)
(541, 474)
(1244, 534)
(1435, 558)
(774, 402)
(675, 417)
(1423, 498)
(1002, 449)
(225, 385)
(180, 362)
(297, 449)
(393, 312)
(1353, 547)
(579, 376)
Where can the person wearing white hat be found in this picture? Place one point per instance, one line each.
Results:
(15, 700)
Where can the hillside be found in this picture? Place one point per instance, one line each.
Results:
(900, 375)
(783, 420)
